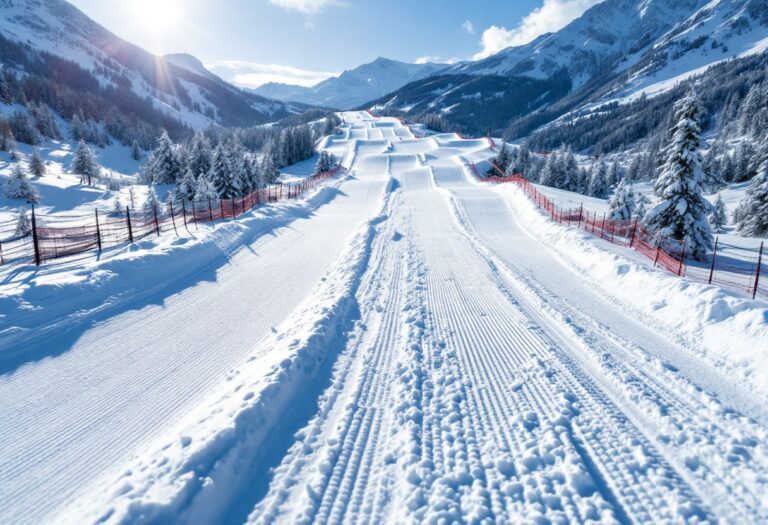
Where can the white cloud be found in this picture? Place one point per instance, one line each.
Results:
(551, 16)
(303, 6)
(253, 74)
(468, 27)
(426, 59)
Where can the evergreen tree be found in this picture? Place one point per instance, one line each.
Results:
(635, 169)
(152, 201)
(5, 89)
(7, 140)
(188, 185)
(622, 203)
(568, 170)
(752, 212)
(131, 197)
(641, 206)
(550, 173)
(135, 150)
(682, 210)
(717, 217)
(502, 162)
(36, 165)
(19, 187)
(205, 190)
(598, 183)
(23, 224)
(84, 163)
(166, 165)
(614, 173)
(200, 155)
(270, 166)
(117, 205)
(220, 174)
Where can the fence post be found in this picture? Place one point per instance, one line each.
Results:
(194, 215)
(35, 240)
(98, 229)
(602, 227)
(173, 218)
(184, 214)
(682, 258)
(757, 271)
(128, 221)
(714, 256)
(632, 236)
(234, 209)
(658, 249)
(210, 209)
(1, 254)
(157, 223)
(581, 211)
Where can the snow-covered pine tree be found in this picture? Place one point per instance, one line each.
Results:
(717, 217)
(23, 224)
(641, 206)
(188, 185)
(19, 187)
(550, 173)
(117, 205)
(200, 155)
(502, 162)
(622, 203)
(752, 212)
(682, 211)
(166, 165)
(614, 173)
(205, 190)
(220, 173)
(84, 163)
(568, 170)
(36, 165)
(135, 150)
(7, 140)
(742, 162)
(635, 168)
(152, 201)
(270, 166)
(598, 183)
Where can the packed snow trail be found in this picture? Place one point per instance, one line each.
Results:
(454, 370)
(496, 412)
(120, 383)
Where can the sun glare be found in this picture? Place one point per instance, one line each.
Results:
(156, 16)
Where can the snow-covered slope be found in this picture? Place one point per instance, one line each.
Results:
(353, 87)
(177, 85)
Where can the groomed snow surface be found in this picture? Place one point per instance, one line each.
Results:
(406, 345)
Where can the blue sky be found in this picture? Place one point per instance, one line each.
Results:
(303, 41)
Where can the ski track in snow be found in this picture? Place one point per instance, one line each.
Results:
(448, 368)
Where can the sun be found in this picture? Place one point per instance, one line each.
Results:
(156, 16)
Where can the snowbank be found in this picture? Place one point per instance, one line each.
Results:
(726, 329)
(195, 475)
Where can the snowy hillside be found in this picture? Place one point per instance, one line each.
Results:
(177, 86)
(617, 49)
(354, 87)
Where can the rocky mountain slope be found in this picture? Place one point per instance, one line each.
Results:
(353, 87)
(46, 37)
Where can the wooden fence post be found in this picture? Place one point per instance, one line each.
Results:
(757, 271)
(98, 229)
(221, 207)
(184, 214)
(194, 215)
(682, 258)
(210, 210)
(658, 250)
(35, 240)
(632, 237)
(714, 256)
(157, 223)
(173, 218)
(128, 221)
